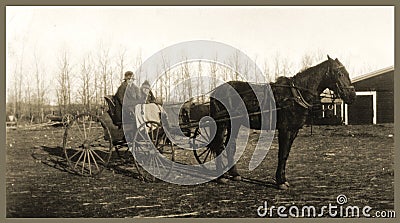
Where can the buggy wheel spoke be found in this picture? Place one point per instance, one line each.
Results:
(162, 164)
(74, 154)
(84, 129)
(94, 160)
(99, 157)
(80, 131)
(151, 162)
(209, 151)
(90, 126)
(79, 159)
(84, 160)
(141, 135)
(90, 167)
(158, 167)
(151, 131)
(207, 134)
(156, 140)
(200, 141)
(95, 139)
(206, 150)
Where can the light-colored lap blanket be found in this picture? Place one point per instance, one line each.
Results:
(147, 112)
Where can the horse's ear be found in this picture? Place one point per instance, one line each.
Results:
(337, 61)
(328, 57)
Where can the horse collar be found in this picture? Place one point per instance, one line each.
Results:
(298, 97)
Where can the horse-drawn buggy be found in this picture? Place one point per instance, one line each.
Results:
(90, 141)
(210, 128)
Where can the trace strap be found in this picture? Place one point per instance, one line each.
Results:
(298, 97)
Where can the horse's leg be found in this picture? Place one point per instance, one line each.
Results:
(285, 138)
(231, 151)
(217, 147)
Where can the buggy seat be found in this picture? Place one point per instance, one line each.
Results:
(114, 109)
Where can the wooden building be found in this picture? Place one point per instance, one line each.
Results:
(375, 99)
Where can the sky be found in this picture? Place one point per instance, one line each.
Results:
(361, 37)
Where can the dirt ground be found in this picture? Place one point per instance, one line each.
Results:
(356, 161)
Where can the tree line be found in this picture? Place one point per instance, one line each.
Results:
(80, 86)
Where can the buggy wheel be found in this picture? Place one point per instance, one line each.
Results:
(67, 119)
(202, 150)
(87, 145)
(152, 151)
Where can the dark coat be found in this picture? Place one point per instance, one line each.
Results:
(132, 93)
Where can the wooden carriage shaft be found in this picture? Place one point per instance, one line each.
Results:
(195, 124)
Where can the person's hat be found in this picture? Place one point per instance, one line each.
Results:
(146, 84)
(128, 75)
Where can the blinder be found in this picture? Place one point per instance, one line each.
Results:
(338, 88)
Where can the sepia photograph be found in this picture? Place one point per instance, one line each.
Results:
(200, 112)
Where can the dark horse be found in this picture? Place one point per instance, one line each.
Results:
(293, 98)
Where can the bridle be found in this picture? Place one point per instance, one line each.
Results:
(339, 88)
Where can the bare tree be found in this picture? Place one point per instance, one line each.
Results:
(40, 88)
(199, 79)
(166, 83)
(286, 67)
(256, 77)
(319, 55)
(235, 63)
(226, 72)
(159, 87)
(19, 82)
(17, 74)
(213, 72)
(28, 102)
(138, 66)
(306, 61)
(121, 62)
(85, 91)
(266, 71)
(17, 90)
(105, 69)
(277, 66)
(120, 68)
(311, 58)
(282, 66)
(64, 83)
(103, 76)
(187, 87)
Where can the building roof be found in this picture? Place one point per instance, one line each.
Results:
(372, 74)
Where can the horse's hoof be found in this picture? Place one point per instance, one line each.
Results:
(222, 180)
(283, 186)
(237, 178)
(287, 183)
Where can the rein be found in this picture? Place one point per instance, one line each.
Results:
(294, 86)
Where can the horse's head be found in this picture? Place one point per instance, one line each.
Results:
(339, 81)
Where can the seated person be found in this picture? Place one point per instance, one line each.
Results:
(146, 96)
(118, 98)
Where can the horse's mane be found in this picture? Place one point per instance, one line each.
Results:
(309, 70)
(300, 75)
(303, 76)
(281, 79)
